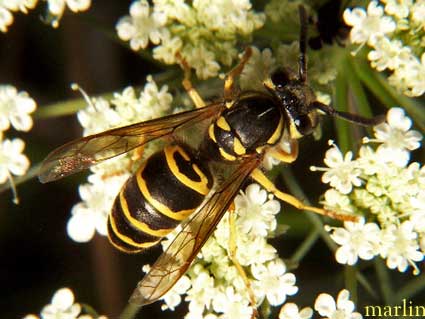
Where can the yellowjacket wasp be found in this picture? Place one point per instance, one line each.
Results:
(177, 184)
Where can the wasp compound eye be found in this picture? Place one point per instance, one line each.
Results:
(280, 79)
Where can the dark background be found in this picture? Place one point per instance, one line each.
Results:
(36, 255)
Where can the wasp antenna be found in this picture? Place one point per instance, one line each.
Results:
(354, 118)
(302, 67)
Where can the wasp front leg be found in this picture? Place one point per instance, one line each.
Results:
(233, 258)
(283, 156)
(262, 179)
(187, 83)
(229, 82)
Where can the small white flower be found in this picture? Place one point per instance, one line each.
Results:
(173, 297)
(15, 109)
(202, 291)
(203, 60)
(257, 214)
(98, 117)
(396, 137)
(370, 25)
(232, 305)
(12, 161)
(388, 54)
(78, 5)
(257, 69)
(342, 309)
(91, 214)
(291, 311)
(6, 19)
(399, 9)
(418, 13)
(168, 50)
(369, 162)
(141, 26)
(154, 101)
(356, 240)
(399, 245)
(417, 216)
(57, 8)
(342, 173)
(19, 5)
(62, 306)
(273, 281)
(337, 202)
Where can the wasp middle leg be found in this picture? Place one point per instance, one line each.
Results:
(262, 179)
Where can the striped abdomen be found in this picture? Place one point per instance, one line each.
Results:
(166, 189)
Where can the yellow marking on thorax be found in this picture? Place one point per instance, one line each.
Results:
(238, 147)
(211, 133)
(226, 155)
(128, 240)
(222, 123)
(163, 209)
(293, 132)
(277, 133)
(138, 224)
(260, 149)
(229, 104)
(202, 186)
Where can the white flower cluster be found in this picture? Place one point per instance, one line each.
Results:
(205, 33)
(56, 9)
(107, 178)
(396, 34)
(383, 187)
(326, 306)
(15, 110)
(214, 287)
(62, 306)
(7, 7)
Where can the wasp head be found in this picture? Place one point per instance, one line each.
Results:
(296, 99)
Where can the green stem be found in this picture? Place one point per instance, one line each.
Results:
(305, 247)
(384, 281)
(32, 172)
(388, 95)
(89, 310)
(356, 86)
(350, 278)
(62, 108)
(411, 288)
(74, 105)
(366, 285)
(130, 311)
(296, 190)
(341, 94)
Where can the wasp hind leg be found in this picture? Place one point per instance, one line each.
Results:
(187, 83)
(262, 179)
(233, 258)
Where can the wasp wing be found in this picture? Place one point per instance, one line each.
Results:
(174, 262)
(82, 153)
